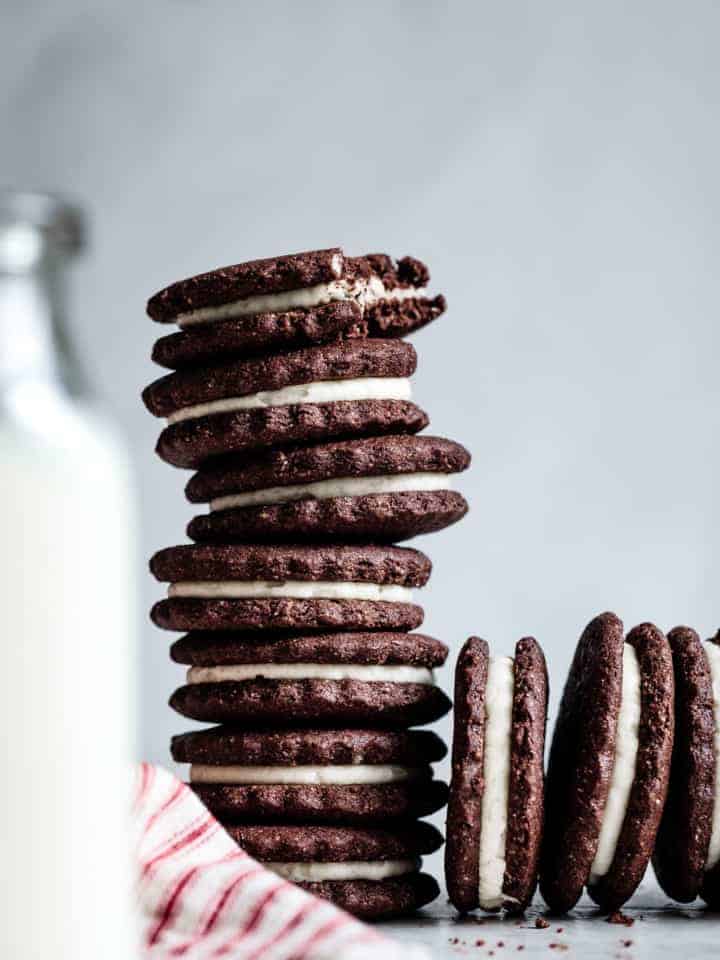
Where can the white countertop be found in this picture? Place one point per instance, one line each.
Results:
(660, 929)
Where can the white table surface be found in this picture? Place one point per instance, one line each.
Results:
(660, 929)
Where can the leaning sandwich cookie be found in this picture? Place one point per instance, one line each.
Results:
(351, 776)
(609, 765)
(373, 490)
(495, 810)
(687, 851)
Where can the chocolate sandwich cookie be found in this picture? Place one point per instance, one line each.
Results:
(289, 302)
(297, 588)
(378, 489)
(609, 765)
(380, 679)
(368, 871)
(687, 850)
(339, 776)
(495, 810)
(335, 391)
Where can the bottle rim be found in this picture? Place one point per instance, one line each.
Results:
(35, 224)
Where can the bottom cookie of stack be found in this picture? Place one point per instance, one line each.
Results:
(369, 871)
(309, 803)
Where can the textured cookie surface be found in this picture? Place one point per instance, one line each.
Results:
(261, 333)
(710, 890)
(308, 702)
(526, 787)
(210, 649)
(462, 867)
(581, 762)
(254, 277)
(378, 900)
(379, 518)
(331, 844)
(247, 336)
(280, 274)
(342, 804)
(683, 839)
(652, 770)
(363, 564)
(367, 457)
(399, 566)
(192, 443)
(335, 361)
(189, 613)
(229, 745)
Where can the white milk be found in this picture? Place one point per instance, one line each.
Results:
(67, 617)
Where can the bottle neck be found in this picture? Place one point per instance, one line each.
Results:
(33, 343)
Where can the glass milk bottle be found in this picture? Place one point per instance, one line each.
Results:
(67, 617)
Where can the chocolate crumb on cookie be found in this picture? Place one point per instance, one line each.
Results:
(369, 871)
(301, 588)
(609, 765)
(334, 391)
(375, 489)
(495, 810)
(685, 859)
(373, 680)
(285, 302)
(339, 776)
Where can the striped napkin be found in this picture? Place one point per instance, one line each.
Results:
(203, 898)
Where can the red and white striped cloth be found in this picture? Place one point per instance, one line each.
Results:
(202, 897)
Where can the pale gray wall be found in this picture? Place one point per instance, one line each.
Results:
(556, 163)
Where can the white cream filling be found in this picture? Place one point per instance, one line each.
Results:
(364, 292)
(356, 773)
(320, 391)
(623, 774)
(372, 673)
(292, 589)
(337, 487)
(350, 870)
(713, 654)
(496, 774)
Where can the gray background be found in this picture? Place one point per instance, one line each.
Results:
(555, 163)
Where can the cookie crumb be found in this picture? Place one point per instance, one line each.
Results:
(559, 946)
(627, 943)
(541, 923)
(520, 946)
(479, 943)
(559, 929)
(620, 918)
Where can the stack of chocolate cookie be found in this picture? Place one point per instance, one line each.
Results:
(290, 398)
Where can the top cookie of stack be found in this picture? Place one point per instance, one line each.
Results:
(290, 397)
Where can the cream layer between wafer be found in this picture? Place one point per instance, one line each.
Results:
(496, 775)
(323, 775)
(367, 673)
(316, 872)
(289, 589)
(364, 292)
(337, 487)
(318, 391)
(624, 762)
